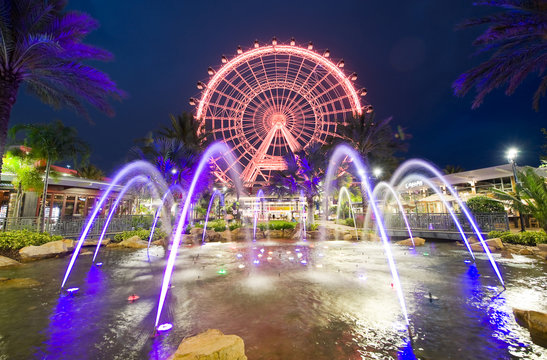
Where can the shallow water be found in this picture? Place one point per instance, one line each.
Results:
(333, 301)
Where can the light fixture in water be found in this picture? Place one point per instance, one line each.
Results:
(165, 327)
(241, 266)
(221, 272)
(256, 262)
(426, 254)
(72, 290)
(467, 261)
(99, 264)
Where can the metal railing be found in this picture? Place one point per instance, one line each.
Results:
(443, 221)
(73, 226)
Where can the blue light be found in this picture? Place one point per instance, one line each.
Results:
(99, 264)
(72, 291)
(165, 327)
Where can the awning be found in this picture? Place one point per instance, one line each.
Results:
(437, 198)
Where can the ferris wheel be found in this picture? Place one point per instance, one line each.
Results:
(274, 99)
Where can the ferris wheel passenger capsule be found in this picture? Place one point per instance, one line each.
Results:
(211, 71)
(293, 42)
(257, 44)
(224, 59)
(353, 77)
(370, 109)
(326, 53)
(310, 46)
(341, 64)
(239, 50)
(200, 85)
(274, 41)
(363, 92)
(193, 102)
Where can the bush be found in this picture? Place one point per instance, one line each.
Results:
(313, 227)
(281, 225)
(142, 221)
(15, 240)
(141, 233)
(530, 238)
(483, 204)
(234, 226)
(349, 222)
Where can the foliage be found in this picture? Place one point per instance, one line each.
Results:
(349, 222)
(143, 222)
(15, 240)
(374, 140)
(144, 234)
(483, 204)
(543, 158)
(453, 169)
(43, 47)
(532, 190)
(276, 225)
(530, 238)
(27, 176)
(313, 227)
(91, 172)
(234, 226)
(516, 39)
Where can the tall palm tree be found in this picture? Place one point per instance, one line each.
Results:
(91, 172)
(516, 38)
(41, 46)
(186, 129)
(51, 142)
(532, 190)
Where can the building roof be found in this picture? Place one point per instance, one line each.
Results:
(489, 173)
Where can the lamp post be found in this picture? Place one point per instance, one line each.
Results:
(511, 156)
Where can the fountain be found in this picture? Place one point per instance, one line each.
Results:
(215, 194)
(302, 214)
(383, 185)
(259, 200)
(344, 191)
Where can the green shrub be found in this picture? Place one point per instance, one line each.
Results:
(142, 221)
(141, 233)
(234, 226)
(15, 240)
(483, 204)
(349, 222)
(530, 238)
(281, 225)
(313, 227)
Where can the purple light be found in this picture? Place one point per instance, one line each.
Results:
(256, 262)
(423, 164)
(99, 264)
(158, 213)
(165, 327)
(216, 193)
(341, 152)
(467, 261)
(143, 167)
(138, 179)
(384, 184)
(303, 262)
(219, 149)
(72, 290)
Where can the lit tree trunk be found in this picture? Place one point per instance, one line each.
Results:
(18, 200)
(311, 211)
(42, 215)
(9, 85)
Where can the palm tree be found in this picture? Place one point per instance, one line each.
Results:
(374, 140)
(186, 129)
(532, 189)
(91, 172)
(453, 169)
(41, 46)
(516, 39)
(51, 142)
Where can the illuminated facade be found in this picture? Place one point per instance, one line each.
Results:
(274, 99)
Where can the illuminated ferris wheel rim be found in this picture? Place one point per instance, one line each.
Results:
(281, 49)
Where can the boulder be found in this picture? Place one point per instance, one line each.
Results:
(535, 322)
(6, 261)
(47, 250)
(372, 237)
(88, 242)
(211, 345)
(542, 247)
(506, 254)
(477, 247)
(493, 244)
(543, 255)
(526, 252)
(18, 283)
(348, 237)
(418, 241)
(134, 242)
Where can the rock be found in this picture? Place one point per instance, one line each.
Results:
(506, 254)
(18, 283)
(47, 250)
(86, 253)
(543, 255)
(134, 242)
(525, 252)
(494, 243)
(371, 237)
(476, 247)
(542, 247)
(348, 237)
(6, 261)
(418, 241)
(158, 242)
(535, 322)
(211, 345)
(88, 242)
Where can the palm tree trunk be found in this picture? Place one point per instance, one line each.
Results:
(311, 211)
(18, 200)
(44, 196)
(9, 85)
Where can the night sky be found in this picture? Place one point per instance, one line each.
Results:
(406, 54)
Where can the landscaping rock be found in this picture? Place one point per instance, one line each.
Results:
(134, 242)
(542, 247)
(211, 345)
(348, 237)
(493, 244)
(50, 249)
(418, 241)
(535, 322)
(6, 261)
(526, 252)
(477, 247)
(372, 237)
(19, 283)
(94, 242)
(506, 254)
(543, 255)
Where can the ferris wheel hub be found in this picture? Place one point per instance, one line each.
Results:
(277, 120)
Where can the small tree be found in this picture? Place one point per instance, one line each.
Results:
(90, 172)
(483, 204)
(532, 189)
(51, 142)
(26, 175)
